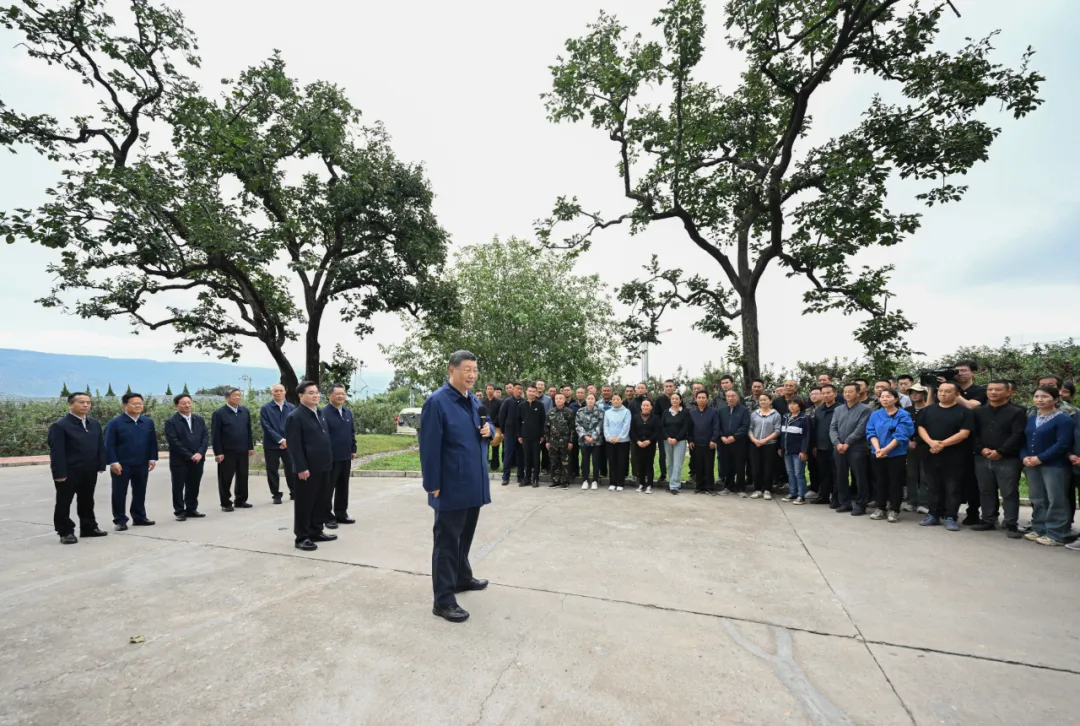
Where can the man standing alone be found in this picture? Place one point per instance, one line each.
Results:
(76, 456)
(339, 421)
(452, 462)
(186, 433)
(272, 417)
(131, 450)
(230, 435)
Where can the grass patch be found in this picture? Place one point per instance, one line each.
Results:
(409, 461)
(379, 443)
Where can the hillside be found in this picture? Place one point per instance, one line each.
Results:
(33, 374)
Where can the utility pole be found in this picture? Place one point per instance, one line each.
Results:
(645, 357)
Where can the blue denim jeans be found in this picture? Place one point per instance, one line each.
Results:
(1048, 488)
(796, 475)
(674, 455)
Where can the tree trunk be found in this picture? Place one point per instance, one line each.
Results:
(311, 346)
(288, 374)
(751, 366)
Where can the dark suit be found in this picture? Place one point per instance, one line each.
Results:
(272, 418)
(231, 437)
(309, 446)
(184, 442)
(133, 445)
(76, 455)
(335, 498)
(510, 422)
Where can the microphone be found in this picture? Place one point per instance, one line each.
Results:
(483, 413)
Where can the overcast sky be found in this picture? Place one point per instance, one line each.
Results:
(458, 85)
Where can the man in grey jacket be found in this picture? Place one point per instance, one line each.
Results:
(847, 432)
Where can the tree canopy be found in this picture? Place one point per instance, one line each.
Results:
(736, 171)
(523, 312)
(201, 214)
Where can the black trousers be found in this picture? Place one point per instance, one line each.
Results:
(733, 465)
(573, 465)
(450, 569)
(307, 517)
(604, 458)
(274, 457)
(889, 476)
(852, 466)
(79, 486)
(186, 480)
(590, 462)
(702, 461)
(663, 462)
(645, 458)
(335, 496)
(763, 463)
(235, 464)
(970, 485)
(618, 462)
(512, 457)
(531, 454)
(495, 457)
(826, 468)
(134, 476)
(945, 482)
(814, 481)
(545, 460)
(917, 493)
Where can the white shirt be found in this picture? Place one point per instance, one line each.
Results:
(82, 420)
(134, 418)
(234, 409)
(340, 410)
(188, 419)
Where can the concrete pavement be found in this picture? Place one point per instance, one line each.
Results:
(604, 608)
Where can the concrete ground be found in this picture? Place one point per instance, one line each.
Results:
(603, 608)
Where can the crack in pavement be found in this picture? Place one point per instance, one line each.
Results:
(487, 548)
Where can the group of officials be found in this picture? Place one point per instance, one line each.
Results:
(313, 446)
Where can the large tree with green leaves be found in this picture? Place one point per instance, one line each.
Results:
(523, 313)
(180, 210)
(734, 168)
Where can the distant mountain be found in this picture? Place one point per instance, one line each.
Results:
(33, 374)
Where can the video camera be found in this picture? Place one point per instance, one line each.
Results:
(929, 376)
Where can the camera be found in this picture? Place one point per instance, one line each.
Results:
(929, 376)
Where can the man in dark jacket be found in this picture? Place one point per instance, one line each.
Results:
(660, 407)
(531, 435)
(272, 417)
(339, 421)
(312, 459)
(997, 440)
(233, 442)
(734, 427)
(704, 435)
(847, 432)
(76, 457)
(186, 433)
(452, 459)
(823, 448)
(510, 422)
(132, 452)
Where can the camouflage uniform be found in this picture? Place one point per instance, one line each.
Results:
(559, 432)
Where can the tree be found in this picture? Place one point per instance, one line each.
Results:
(109, 393)
(519, 322)
(736, 172)
(341, 369)
(128, 389)
(222, 390)
(185, 391)
(64, 392)
(87, 389)
(180, 211)
(168, 390)
(97, 393)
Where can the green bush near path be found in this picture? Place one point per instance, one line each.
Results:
(378, 443)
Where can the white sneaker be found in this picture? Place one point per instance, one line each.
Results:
(648, 490)
(788, 498)
(594, 485)
(585, 484)
(611, 488)
(756, 495)
(767, 495)
(640, 488)
(923, 510)
(618, 489)
(1074, 545)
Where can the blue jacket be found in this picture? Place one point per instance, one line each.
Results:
(342, 432)
(796, 434)
(886, 428)
(704, 425)
(734, 421)
(231, 432)
(130, 443)
(617, 423)
(1051, 442)
(453, 456)
(272, 420)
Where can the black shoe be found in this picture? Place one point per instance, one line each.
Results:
(858, 511)
(554, 485)
(1013, 532)
(983, 527)
(819, 500)
(290, 496)
(331, 524)
(845, 509)
(674, 491)
(306, 545)
(95, 532)
(523, 483)
(699, 491)
(242, 505)
(833, 505)
(506, 482)
(971, 520)
(873, 505)
(181, 517)
(536, 484)
(120, 527)
(277, 499)
(323, 537)
(68, 539)
(143, 523)
(472, 584)
(195, 515)
(345, 519)
(712, 493)
(453, 613)
(227, 508)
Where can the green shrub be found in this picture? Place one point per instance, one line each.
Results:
(375, 416)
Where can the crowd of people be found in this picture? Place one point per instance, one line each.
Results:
(880, 449)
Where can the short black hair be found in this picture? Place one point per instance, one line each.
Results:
(231, 391)
(815, 388)
(532, 386)
(1052, 390)
(1066, 386)
(73, 396)
(668, 380)
(304, 385)
(1002, 381)
(828, 385)
(498, 388)
(882, 380)
(800, 402)
(1057, 379)
(967, 363)
(179, 397)
(128, 396)
(726, 378)
(337, 385)
(460, 356)
(905, 377)
(861, 380)
(853, 384)
(757, 380)
(702, 392)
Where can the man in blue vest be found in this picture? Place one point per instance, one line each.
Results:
(233, 442)
(76, 456)
(339, 421)
(453, 456)
(132, 452)
(272, 417)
